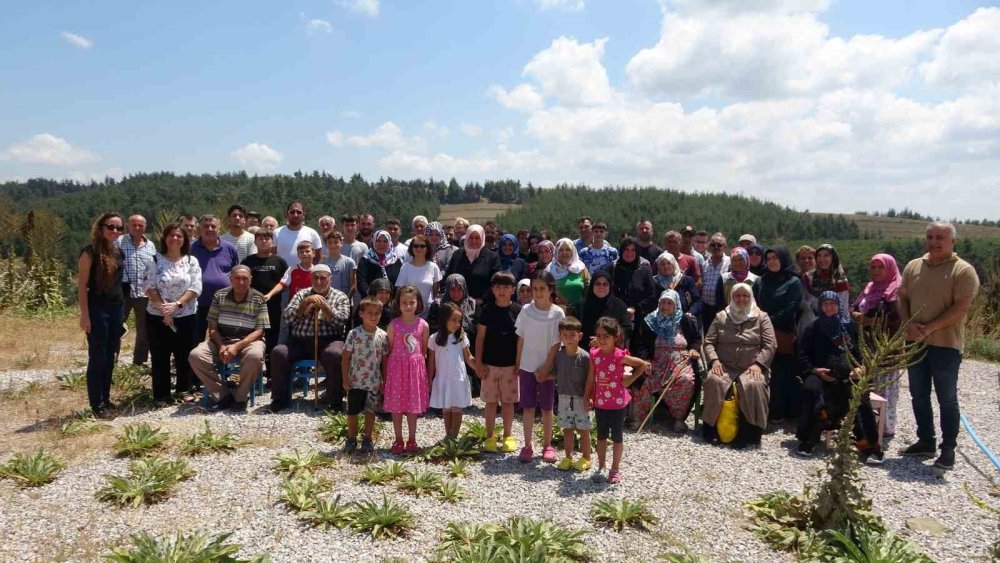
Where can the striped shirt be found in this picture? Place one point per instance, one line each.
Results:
(237, 319)
(245, 244)
(329, 329)
(136, 259)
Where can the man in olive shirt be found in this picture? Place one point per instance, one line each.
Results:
(935, 294)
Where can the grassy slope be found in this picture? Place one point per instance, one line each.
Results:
(892, 227)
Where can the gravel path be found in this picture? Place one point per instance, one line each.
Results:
(697, 491)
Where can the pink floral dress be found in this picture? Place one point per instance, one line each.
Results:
(609, 369)
(406, 390)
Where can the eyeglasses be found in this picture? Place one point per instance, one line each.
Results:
(418, 246)
(716, 245)
(116, 228)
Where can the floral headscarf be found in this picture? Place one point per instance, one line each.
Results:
(742, 253)
(885, 290)
(665, 326)
(547, 244)
(663, 280)
(834, 326)
(829, 279)
(386, 259)
(467, 304)
(473, 253)
(739, 315)
(560, 271)
(436, 227)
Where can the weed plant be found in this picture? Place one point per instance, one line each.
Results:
(32, 470)
(207, 441)
(180, 548)
(623, 513)
(149, 480)
(138, 440)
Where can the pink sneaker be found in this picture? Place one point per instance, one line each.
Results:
(526, 454)
(615, 477)
(549, 454)
(412, 447)
(397, 447)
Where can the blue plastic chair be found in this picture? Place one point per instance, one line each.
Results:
(227, 370)
(302, 373)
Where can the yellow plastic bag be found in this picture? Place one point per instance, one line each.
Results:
(729, 418)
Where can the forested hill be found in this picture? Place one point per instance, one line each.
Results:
(162, 194)
(558, 209)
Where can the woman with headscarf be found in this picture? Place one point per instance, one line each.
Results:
(456, 292)
(739, 272)
(779, 293)
(546, 253)
(632, 280)
(380, 261)
(670, 276)
(510, 259)
(739, 347)
(475, 263)
(878, 299)
(601, 302)
(826, 370)
(828, 276)
(524, 291)
(671, 339)
(755, 252)
(571, 276)
(381, 290)
(441, 250)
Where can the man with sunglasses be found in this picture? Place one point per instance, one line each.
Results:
(138, 251)
(716, 265)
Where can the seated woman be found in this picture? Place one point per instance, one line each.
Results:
(826, 381)
(670, 276)
(739, 347)
(672, 340)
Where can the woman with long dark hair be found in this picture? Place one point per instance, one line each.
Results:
(779, 293)
(632, 278)
(99, 291)
(173, 284)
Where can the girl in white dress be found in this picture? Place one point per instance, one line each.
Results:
(449, 353)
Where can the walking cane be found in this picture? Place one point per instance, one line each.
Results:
(316, 360)
(666, 386)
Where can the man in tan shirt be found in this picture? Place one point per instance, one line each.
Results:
(935, 295)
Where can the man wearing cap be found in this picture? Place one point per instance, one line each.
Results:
(687, 246)
(333, 308)
(237, 319)
(747, 240)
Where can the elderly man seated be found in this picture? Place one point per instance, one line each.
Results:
(333, 308)
(237, 319)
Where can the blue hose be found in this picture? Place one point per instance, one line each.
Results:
(979, 442)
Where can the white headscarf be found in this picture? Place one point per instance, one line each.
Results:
(473, 253)
(740, 315)
(559, 271)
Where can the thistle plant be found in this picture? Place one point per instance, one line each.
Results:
(623, 513)
(207, 441)
(294, 463)
(139, 439)
(149, 480)
(32, 470)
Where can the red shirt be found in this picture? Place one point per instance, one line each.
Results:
(689, 266)
(296, 279)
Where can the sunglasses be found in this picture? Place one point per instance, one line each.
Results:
(716, 245)
(116, 228)
(418, 246)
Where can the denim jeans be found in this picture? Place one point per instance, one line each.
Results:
(939, 366)
(103, 342)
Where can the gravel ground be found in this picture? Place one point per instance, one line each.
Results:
(697, 491)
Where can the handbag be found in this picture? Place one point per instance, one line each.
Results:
(729, 418)
(786, 341)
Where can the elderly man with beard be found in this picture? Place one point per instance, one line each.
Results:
(333, 308)
(237, 320)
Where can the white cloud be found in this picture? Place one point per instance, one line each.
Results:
(433, 129)
(569, 5)
(46, 148)
(522, 97)
(367, 7)
(76, 40)
(470, 129)
(572, 71)
(259, 157)
(316, 25)
(387, 136)
(335, 138)
(968, 52)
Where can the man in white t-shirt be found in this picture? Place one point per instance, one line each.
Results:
(288, 237)
(237, 235)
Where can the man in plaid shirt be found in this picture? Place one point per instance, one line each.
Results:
(333, 308)
(711, 279)
(138, 251)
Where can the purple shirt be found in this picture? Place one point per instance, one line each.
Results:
(215, 267)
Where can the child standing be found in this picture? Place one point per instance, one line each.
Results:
(406, 373)
(299, 277)
(496, 350)
(607, 391)
(572, 365)
(448, 352)
(342, 268)
(363, 366)
(537, 330)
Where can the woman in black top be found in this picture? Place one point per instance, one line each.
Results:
(379, 262)
(475, 263)
(600, 301)
(99, 291)
(632, 279)
(779, 293)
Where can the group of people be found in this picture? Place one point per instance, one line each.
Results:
(567, 327)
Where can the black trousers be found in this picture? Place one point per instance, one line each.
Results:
(832, 399)
(284, 357)
(164, 343)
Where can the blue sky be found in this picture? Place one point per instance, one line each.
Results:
(785, 99)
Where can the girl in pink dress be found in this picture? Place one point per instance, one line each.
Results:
(607, 393)
(406, 385)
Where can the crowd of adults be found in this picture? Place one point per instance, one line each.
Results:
(713, 318)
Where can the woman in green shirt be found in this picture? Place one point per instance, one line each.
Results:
(571, 276)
